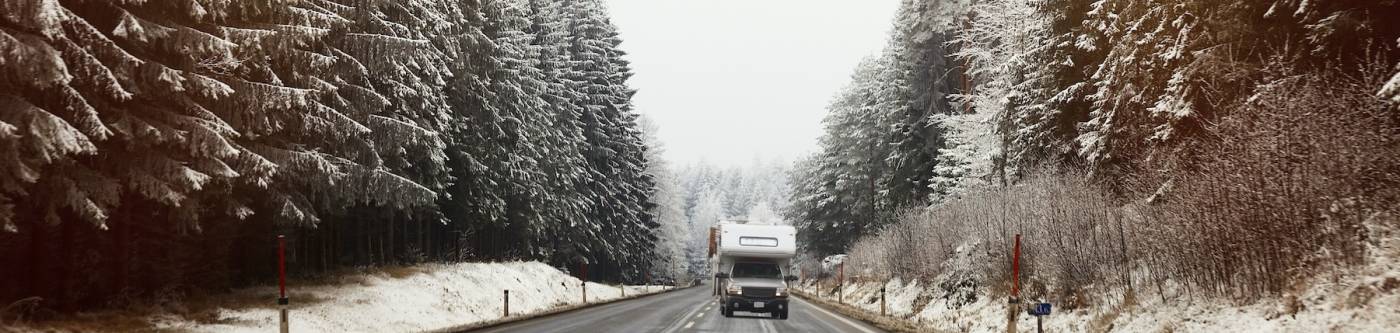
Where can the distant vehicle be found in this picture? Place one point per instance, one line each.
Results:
(750, 263)
(831, 261)
(664, 281)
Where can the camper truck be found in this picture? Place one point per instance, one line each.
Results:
(750, 264)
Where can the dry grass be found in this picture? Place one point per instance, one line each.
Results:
(399, 272)
(1103, 321)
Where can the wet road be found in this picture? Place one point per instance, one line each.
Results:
(689, 310)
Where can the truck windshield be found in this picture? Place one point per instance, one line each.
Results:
(757, 270)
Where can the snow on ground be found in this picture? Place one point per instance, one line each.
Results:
(1360, 299)
(436, 296)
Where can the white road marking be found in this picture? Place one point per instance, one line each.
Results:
(701, 314)
(676, 326)
(691, 324)
(842, 319)
(767, 326)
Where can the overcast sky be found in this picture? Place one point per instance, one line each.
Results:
(731, 80)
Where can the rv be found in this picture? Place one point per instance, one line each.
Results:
(750, 264)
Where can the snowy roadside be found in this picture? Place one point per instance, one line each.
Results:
(1359, 299)
(418, 299)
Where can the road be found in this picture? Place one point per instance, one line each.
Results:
(689, 310)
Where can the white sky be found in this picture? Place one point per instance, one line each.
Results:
(729, 81)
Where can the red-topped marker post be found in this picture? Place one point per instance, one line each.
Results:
(282, 300)
(1014, 303)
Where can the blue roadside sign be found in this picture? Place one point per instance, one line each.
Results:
(1040, 309)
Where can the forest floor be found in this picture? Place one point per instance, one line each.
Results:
(393, 299)
(1357, 299)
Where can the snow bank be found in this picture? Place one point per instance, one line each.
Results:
(1360, 299)
(435, 296)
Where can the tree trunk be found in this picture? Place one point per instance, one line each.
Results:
(36, 257)
(393, 251)
(325, 245)
(122, 229)
(361, 238)
(432, 251)
(65, 260)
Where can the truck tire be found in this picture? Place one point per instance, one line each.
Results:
(727, 312)
(784, 316)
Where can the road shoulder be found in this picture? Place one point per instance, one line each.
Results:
(548, 313)
(887, 323)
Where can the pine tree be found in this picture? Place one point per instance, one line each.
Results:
(356, 126)
(673, 234)
(841, 194)
(925, 75)
(516, 86)
(1058, 90)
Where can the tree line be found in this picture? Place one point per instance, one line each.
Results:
(158, 147)
(1236, 144)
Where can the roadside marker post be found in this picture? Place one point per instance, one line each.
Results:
(505, 311)
(1016, 271)
(882, 301)
(1012, 304)
(583, 282)
(282, 301)
(841, 283)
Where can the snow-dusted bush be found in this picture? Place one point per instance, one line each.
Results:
(1280, 192)
(1282, 188)
(1073, 237)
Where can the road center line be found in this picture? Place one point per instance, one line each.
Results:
(676, 326)
(689, 325)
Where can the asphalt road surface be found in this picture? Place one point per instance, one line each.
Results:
(689, 310)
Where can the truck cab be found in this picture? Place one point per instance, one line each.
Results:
(751, 267)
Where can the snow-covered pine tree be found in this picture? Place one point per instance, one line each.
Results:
(518, 144)
(38, 129)
(162, 117)
(1058, 67)
(840, 195)
(587, 79)
(330, 135)
(161, 73)
(1148, 42)
(815, 210)
(673, 235)
(478, 151)
(620, 189)
(996, 49)
(404, 50)
(570, 228)
(1391, 90)
(1169, 65)
(927, 75)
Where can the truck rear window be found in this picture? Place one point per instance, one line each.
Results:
(758, 241)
